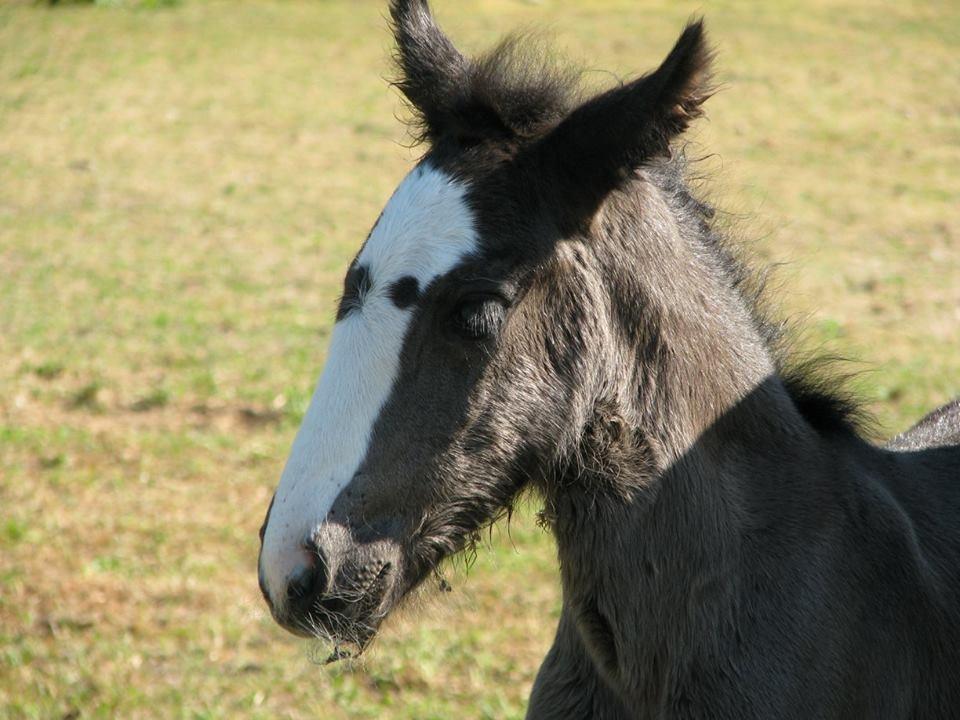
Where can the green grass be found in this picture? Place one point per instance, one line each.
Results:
(180, 190)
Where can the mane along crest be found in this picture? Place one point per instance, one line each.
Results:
(819, 387)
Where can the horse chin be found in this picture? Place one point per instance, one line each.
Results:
(350, 627)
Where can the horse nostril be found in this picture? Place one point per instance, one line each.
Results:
(306, 586)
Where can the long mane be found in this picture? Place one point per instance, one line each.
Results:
(818, 381)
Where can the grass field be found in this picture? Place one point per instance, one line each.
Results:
(180, 190)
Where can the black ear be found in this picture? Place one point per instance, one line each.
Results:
(432, 70)
(600, 143)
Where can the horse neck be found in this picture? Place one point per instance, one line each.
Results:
(699, 442)
(655, 577)
(689, 347)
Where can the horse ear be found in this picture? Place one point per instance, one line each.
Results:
(600, 143)
(431, 69)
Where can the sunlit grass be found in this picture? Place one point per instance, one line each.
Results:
(180, 190)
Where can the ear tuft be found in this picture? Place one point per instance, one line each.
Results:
(682, 83)
(596, 148)
(431, 69)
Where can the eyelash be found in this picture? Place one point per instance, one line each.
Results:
(479, 318)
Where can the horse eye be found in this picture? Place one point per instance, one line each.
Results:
(479, 318)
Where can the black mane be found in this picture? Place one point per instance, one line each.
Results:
(819, 387)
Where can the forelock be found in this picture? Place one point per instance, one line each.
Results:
(519, 89)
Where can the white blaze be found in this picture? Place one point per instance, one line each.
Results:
(424, 231)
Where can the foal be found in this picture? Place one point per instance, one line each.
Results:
(543, 303)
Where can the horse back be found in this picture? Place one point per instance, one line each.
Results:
(940, 428)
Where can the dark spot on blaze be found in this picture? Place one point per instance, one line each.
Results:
(405, 292)
(355, 286)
